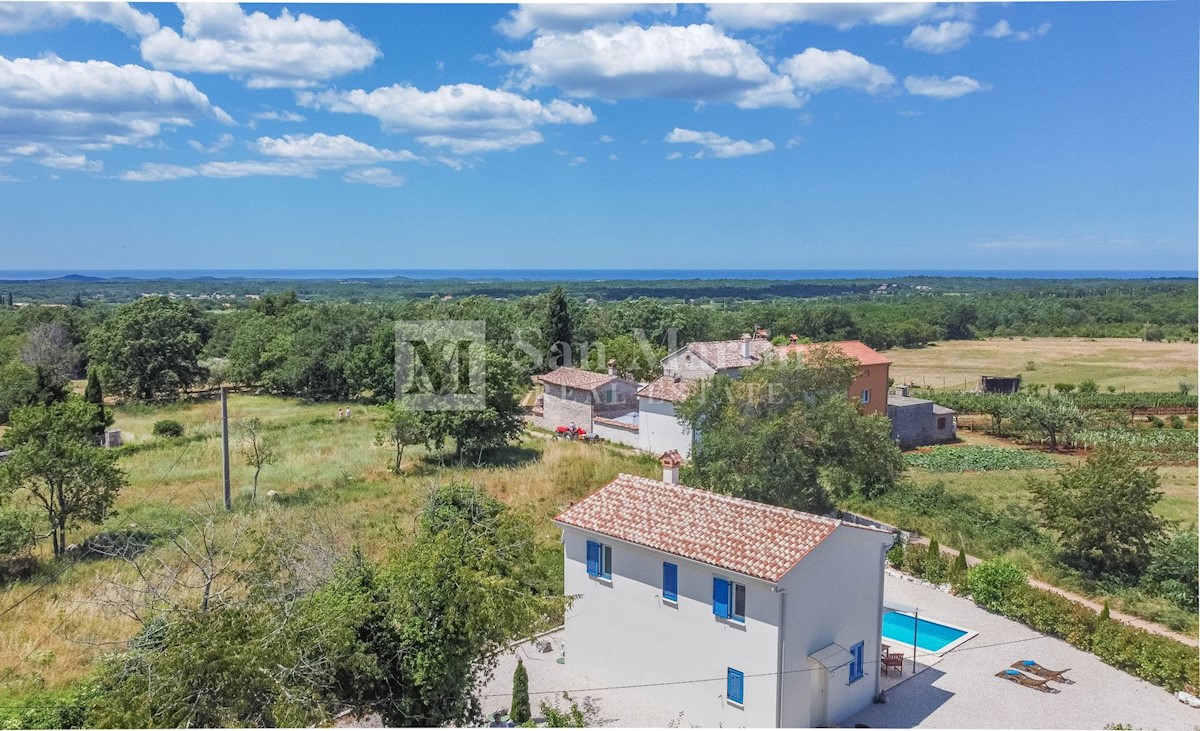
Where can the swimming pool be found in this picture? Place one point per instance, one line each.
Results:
(931, 636)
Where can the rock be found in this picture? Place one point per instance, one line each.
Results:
(544, 646)
(272, 494)
(1188, 698)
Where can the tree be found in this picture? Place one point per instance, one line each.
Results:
(94, 395)
(257, 448)
(1052, 415)
(557, 328)
(149, 350)
(18, 387)
(997, 406)
(1103, 512)
(399, 428)
(1172, 572)
(53, 458)
(520, 711)
(475, 431)
(785, 432)
(994, 582)
(48, 350)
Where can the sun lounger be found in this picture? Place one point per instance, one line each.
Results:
(1022, 679)
(1031, 666)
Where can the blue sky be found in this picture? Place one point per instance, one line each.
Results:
(904, 135)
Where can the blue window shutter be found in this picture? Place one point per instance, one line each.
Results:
(670, 581)
(593, 558)
(721, 598)
(735, 685)
(856, 665)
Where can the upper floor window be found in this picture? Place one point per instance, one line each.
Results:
(599, 560)
(670, 590)
(729, 600)
(866, 396)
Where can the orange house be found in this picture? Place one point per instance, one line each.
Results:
(871, 387)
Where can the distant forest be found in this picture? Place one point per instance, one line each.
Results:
(334, 340)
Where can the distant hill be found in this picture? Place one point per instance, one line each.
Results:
(78, 278)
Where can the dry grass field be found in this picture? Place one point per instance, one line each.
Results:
(334, 491)
(1127, 364)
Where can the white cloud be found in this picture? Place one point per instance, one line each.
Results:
(287, 51)
(48, 157)
(379, 177)
(280, 116)
(19, 17)
(152, 172)
(223, 142)
(795, 142)
(1003, 30)
(606, 138)
(762, 16)
(612, 156)
(334, 149)
(572, 17)
(578, 160)
(695, 62)
(817, 70)
(247, 168)
(94, 103)
(716, 145)
(939, 88)
(467, 118)
(949, 35)
(675, 156)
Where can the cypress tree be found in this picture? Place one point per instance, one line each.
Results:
(960, 562)
(520, 711)
(1104, 613)
(558, 328)
(94, 395)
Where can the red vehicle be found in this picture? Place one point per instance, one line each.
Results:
(565, 432)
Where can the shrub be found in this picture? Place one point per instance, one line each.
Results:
(1155, 422)
(935, 565)
(1172, 573)
(1104, 613)
(520, 711)
(1160, 660)
(914, 559)
(1111, 389)
(994, 582)
(1152, 333)
(1088, 386)
(17, 533)
(167, 428)
(895, 555)
(1064, 387)
(1176, 422)
(1053, 614)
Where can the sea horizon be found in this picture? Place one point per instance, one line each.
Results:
(30, 275)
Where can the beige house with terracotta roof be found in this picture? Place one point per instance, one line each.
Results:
(733, 612)
(708, 358)
(573, 395)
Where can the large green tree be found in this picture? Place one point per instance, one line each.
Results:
(557, 328)
(1052, 416)
(474, 431)
(149, 350)
(785, 433)
(1103, 512)
(53, 460)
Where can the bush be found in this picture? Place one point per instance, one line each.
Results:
(1064, 387)
(1053, 614)
(1172, 573)
(1088, 386)
(1152, 333)
(1160, 660)
(914, 559)
(895, 555)
(1154, 421)
(17, 533)
(1176, 422)
(936, 567)
(167, 428)
(994, 582)
(520, 711)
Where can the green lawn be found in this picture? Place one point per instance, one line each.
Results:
(334, 490)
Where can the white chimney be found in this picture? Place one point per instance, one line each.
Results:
(612, 366)
(746, 346)
(670, 462)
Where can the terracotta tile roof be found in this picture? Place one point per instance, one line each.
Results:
(722, 354)
(576, 378)
(763, 541)
(854, 348)
(667, 388)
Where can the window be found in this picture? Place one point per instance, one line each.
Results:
(735, 686)
(866, 396)
(941, 423)
(670, 589)
(599, 560)
(856, 663)
(729, 600)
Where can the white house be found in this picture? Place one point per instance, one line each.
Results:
(733, 612)
(659, 428)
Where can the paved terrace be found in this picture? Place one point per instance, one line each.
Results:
(960, 690)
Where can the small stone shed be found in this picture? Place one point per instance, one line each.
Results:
(917, 422)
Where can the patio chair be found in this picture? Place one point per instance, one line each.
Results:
(1020, 678)
(1031, 666)
(891, 659)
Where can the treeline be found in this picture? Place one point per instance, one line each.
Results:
(156, 347)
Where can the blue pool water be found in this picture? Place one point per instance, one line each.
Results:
(931, 636)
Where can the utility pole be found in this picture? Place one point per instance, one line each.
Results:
(225, 445)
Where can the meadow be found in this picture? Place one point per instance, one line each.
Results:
(334, 492)
(1127, 364)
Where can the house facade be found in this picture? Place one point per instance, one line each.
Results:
(733, 612)
(659, 428)
(708, 358)
(870, 387)
(917, 422)
(573, 395)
